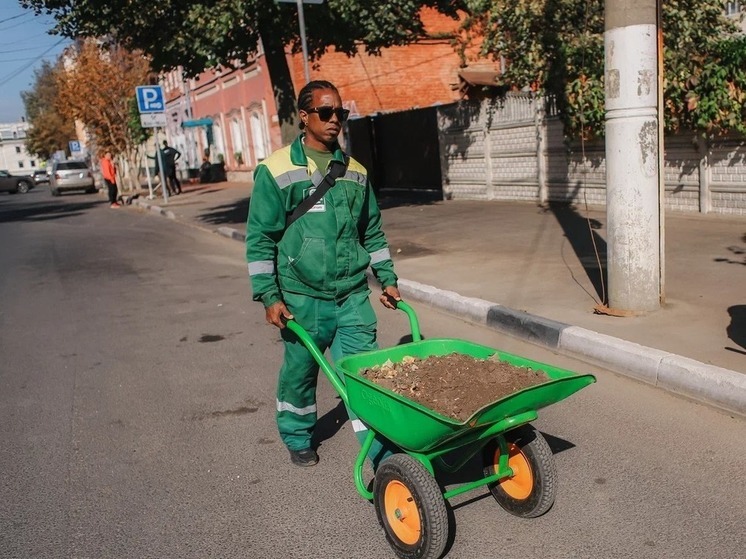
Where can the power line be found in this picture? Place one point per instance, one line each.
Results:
(20, 69)
(14, 17)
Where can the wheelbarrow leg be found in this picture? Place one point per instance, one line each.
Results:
(360, 462)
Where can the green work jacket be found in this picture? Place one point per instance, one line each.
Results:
(325, 252)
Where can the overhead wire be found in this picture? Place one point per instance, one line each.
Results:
(5, 79)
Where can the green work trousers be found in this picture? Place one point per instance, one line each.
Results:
(345, 328)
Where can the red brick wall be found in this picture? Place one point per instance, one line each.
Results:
(417, 75)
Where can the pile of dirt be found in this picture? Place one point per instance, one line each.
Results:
(454, 385)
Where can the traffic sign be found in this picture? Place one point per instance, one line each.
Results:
(150, 99)
(153, 120)
(74, 146)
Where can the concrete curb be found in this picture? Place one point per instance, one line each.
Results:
(713, 385)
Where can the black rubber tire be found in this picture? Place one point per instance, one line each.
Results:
(55, 192)
(428, 498)
(23, 187)
(539, 456)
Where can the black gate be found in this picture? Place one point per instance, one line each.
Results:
(400, 151)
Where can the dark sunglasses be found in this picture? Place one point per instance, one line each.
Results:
(325, 113)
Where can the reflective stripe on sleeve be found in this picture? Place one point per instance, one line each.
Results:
(356, 177)
(285, 406)
(261, 267)
(379, 256)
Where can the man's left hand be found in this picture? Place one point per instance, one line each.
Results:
(389, 293)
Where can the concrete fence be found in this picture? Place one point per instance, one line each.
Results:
(514, 149)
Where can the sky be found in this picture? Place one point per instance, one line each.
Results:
(24, 45)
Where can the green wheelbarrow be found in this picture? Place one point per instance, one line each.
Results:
(410, 503)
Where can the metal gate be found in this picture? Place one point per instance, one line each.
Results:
(400, 151)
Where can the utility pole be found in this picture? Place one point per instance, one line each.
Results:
(633, 197)
(302, 26)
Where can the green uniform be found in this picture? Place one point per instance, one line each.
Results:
(317, 267)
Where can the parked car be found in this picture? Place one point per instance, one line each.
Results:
(71, 175)
(40, 176)
(15, 183)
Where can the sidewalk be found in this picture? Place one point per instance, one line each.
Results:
(533, 272)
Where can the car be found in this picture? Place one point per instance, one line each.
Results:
(15, 183)
(40, 176)
(71, 175)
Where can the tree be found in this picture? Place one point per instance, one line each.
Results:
(97, 88)
(557, 47)
(202, 34)
(50, 131)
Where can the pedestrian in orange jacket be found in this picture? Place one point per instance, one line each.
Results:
(109, 172)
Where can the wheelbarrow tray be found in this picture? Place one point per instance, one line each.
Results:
(416, 428)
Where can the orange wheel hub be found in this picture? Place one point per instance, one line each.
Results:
(521, 483)
(401, 512)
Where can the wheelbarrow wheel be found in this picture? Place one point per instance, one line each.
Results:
(410, 507)
(531, 490)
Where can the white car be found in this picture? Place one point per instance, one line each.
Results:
(71, 175)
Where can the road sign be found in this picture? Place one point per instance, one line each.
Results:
(150, 99)
(74, 146)
(153, 120)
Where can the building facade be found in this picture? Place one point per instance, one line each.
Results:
(235, 111)
(14, 157)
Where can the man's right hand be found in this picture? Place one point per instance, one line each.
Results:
(275, 312)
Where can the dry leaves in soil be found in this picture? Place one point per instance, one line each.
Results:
(454, 385)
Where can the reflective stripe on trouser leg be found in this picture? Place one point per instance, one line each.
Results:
(296, 386)
(356, 333)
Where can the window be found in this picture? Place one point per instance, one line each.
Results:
(32, 163)
(733, 8)
(258, 136)
(237, 138)
(18, 149)
(20, 164)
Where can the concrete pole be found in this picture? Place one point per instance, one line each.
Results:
(632, 180)
(302, 24)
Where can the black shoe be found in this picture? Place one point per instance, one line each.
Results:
(306, 457)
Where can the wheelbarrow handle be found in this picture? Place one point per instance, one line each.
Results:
(319, 357)
(414, 324)
(324, 364)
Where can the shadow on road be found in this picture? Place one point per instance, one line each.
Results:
(233, 213)
(46, 211)
(737, 328)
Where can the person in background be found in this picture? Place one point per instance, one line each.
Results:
(109, 172)
(170, 157)
(313, 270)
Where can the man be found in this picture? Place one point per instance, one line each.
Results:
(109, 172)
(314, 269)
(170, 157)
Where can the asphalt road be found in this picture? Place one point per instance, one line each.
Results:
(137, 419)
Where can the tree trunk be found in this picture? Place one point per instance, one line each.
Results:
(282, 87)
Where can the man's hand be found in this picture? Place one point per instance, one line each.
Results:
(389, 293)
(275, 312)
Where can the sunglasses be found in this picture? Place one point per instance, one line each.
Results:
(325, 113)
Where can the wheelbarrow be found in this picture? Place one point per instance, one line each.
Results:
(518, 465)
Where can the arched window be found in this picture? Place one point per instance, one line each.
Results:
(237, 138)
(258, 136)
(218, 138)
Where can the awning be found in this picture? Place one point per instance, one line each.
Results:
(480, 75)
(198, 122)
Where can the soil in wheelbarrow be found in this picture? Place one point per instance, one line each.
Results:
(454, 385)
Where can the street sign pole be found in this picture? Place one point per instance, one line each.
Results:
(152, 106)
(302, 24)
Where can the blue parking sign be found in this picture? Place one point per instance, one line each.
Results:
(74, 146)
(150, 99)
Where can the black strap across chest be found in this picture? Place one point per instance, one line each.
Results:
(336, 169)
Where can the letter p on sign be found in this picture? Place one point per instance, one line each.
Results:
(150, 99)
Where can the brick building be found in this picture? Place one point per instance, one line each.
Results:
(241, 106)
